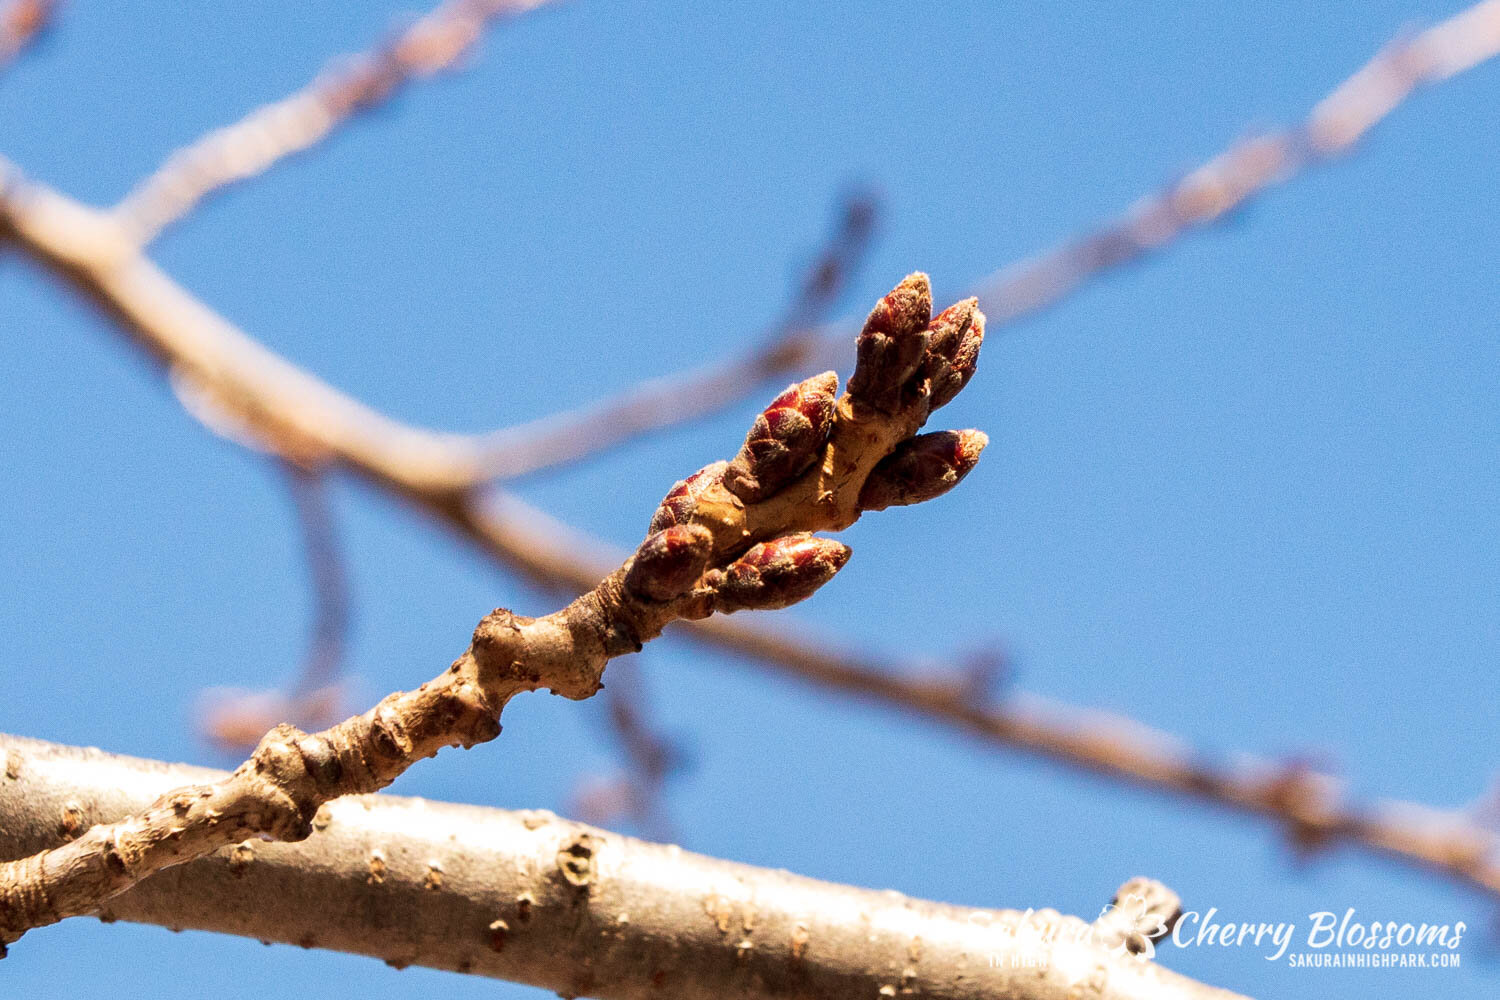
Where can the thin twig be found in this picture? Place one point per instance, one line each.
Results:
(657, 404)
(1224, 184)
(269, 134)
(22, 22)
(330, 581)
(235, 720)
(717, 548)
(1206, 195)
(530, 897)
(650, 759)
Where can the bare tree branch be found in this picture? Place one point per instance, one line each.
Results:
(269, 134)
(21, 23)
(288, 410)
(297, 416)
(736, 536)
(236, 384)
(536, 899)
(1309, 806)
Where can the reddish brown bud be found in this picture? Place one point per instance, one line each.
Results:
(922, 468)
(785, 440)
(891, 345)
(953, 341)
(780, 572)
(669, 562)
(677, 506)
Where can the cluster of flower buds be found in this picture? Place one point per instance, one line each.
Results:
(677, 507)
(669, 562)
(778, 573)
(909, 363)
(892, 345)
(922, 468)
(786, 438)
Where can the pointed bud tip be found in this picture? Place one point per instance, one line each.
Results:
(904, 309)
(968, 447)
(953, 351)
(956, 316)
(892, 343)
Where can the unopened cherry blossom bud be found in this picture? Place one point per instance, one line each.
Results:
(922, 468)
(669, 562)
(953, 341)
(786, 439)
(780, 572)
(891, 345)
(677, 506)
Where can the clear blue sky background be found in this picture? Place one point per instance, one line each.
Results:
(1245, 492)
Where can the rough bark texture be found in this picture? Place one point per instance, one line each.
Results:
(533, 898)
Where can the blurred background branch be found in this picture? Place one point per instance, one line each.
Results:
(347, 87)
(21, 23)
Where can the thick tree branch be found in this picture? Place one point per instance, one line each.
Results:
(732, 537)
(269, 134)
(537, 899)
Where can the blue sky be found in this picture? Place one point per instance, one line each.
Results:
(1243, 492)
